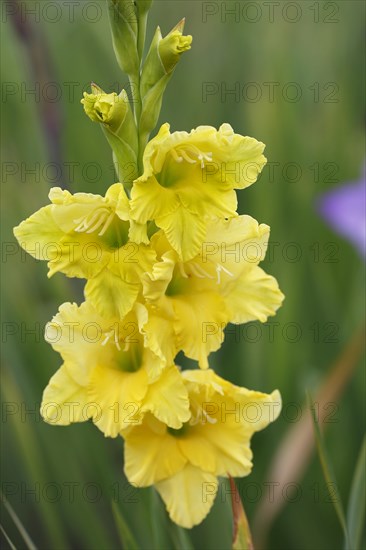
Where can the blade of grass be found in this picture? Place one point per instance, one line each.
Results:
(22, 530)
(180, 538)
(356, 505)
(159, 520)
(7, 538)
(295, 450)
(328, 470)
(127, 539)
(29, 447)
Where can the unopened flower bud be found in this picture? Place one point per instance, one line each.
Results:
(123, 21)
(163, 56)
(114, 114)
(108, 109)
(172, 46)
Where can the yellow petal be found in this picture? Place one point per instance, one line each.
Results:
(67, 209)
(199, 450)
(199, 323)
(110, 295)
(239, 417)
(224, 418)
(209, 199)
(149, 200)
(76, 333)
(237, 244)
(156, 282)
(151, 453)
(159, 335)
(221, 447)
(252, 296)
(259, 409)
(64, 401)
(188, 495)
(39, 234)
(138, 232)
(131, 261)
(167, 399)
(78, 255)
(116, 196)
(185, 231)
(118, 396)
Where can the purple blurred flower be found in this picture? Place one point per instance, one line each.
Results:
(344, 209)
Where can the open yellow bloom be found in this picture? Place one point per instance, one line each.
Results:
(109, 374)
(195, 300)
(184, 464)
(91, 237)
(189, 179)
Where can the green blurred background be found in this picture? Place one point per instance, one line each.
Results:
(297, 72)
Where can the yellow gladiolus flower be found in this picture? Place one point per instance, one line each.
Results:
(109, 374)
(184, 464)
(189, 179)
(196, 299)
(108, 109)
(91, 237)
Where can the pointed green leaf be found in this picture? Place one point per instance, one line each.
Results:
(127, 539)
(19, 525)
(327, 469)
(180, 538)
(356, 505)
(7, 538)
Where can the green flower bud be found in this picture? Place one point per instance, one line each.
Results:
(163, 56)
(108, 109)
(114, 114)
(172, 46)
(123, 21)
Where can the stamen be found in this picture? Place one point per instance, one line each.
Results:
(106, 225)
(107, 337)
(201, 414)
(218, 388)
(189, 151)
(176, 157)
(92, 221)
(209, 418)
(220, 268)
(94, 216)
(98, 223)
(80, 228)
(181, 269)
(195, 419)
(78, 220)
(187, 158)
(115, 338)
(199, 272)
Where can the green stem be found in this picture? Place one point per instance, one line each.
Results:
(136, 97)
(135, 89)
(143, 139)
(137, 106)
